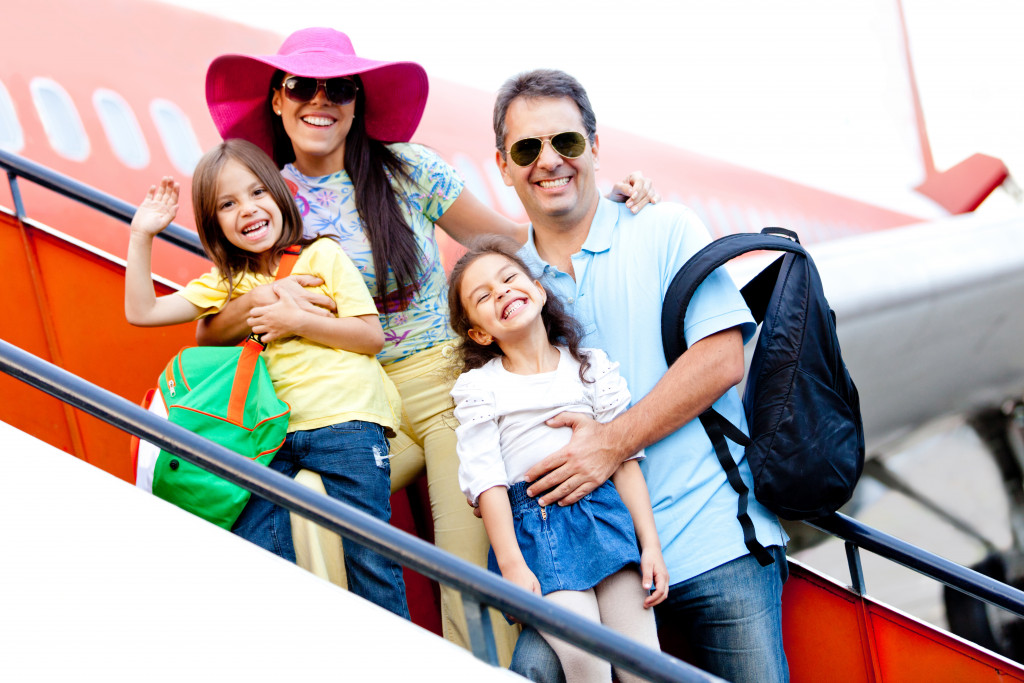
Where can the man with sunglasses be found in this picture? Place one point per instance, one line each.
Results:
(611, 269)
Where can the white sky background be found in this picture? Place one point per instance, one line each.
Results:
(810, 90)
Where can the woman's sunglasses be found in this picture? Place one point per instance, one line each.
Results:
(302, 89)
(569, 144)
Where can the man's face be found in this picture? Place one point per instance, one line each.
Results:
(553, 189)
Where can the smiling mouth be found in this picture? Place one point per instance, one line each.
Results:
(318, 121)
(555, 182)
(512, 308)
(256, 230)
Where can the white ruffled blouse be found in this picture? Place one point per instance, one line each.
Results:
(501, 415)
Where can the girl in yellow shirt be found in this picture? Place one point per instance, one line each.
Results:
(344, 407)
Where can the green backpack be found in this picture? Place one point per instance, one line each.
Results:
(226, 395)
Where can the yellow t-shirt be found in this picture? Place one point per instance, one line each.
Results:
(323, 385)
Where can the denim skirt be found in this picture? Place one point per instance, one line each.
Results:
(574, 547)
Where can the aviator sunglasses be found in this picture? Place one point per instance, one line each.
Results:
(302, 89)
(569, 144)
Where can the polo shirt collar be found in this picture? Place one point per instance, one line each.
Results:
(529, 254)
(600, 236)
(598, 239)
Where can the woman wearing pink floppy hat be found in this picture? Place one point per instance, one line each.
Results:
(339, 125)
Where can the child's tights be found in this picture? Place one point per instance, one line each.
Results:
(618, 603)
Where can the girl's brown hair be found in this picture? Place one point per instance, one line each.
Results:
(562, 329)
(229, 259)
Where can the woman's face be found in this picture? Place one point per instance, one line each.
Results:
(317, 130)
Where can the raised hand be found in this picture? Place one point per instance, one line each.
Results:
(158, 208)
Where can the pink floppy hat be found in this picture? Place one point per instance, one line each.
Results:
(238, 87)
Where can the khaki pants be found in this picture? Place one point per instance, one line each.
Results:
(426, 441)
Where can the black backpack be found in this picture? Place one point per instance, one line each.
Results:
(806, 444)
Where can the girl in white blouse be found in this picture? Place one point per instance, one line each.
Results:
(521, 365)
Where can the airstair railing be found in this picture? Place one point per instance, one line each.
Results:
(478, 586)
(861, 536)
(19, 167)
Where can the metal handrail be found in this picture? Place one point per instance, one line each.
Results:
(945, 571)
(17, 166)
(476, 584)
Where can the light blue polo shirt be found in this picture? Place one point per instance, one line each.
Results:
(622, 273)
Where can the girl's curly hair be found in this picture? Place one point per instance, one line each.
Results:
(562, 329)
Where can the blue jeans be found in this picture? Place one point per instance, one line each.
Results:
(729, 616)
(534, 660)
(731, 619)
(352, 460)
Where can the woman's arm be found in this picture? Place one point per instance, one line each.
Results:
(468, 217)
(285, 318)
(141, 305)
(629, 481)
(231, 326)
(497, 516)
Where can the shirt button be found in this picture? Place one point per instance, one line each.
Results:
(572, 300)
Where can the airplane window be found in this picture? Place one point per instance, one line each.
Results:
(177, 135)
(755, 219)
(698, 208)
(773, 219)
(11, 137)
(60, 119)
(719, 220)
(507, 197)
(474, 181)
(739, 220)
(122, 128)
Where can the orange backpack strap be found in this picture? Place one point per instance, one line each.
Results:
(252, 348)
(243, 378)
(288, 259)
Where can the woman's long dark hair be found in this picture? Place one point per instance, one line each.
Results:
(368, 163)
(562, 329)
(229, 259)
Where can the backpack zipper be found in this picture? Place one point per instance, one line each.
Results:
(169, 376)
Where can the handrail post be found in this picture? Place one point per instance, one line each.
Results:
(19, 205)
(481, 635)
(856, 570)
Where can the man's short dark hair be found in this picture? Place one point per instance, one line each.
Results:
(541, 83)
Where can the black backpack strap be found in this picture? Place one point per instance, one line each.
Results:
(717, 428)
(756, 294)
(705, 262)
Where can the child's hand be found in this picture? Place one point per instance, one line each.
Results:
(158, 209)
(522, 576)
(655, 575)
(277, 320)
